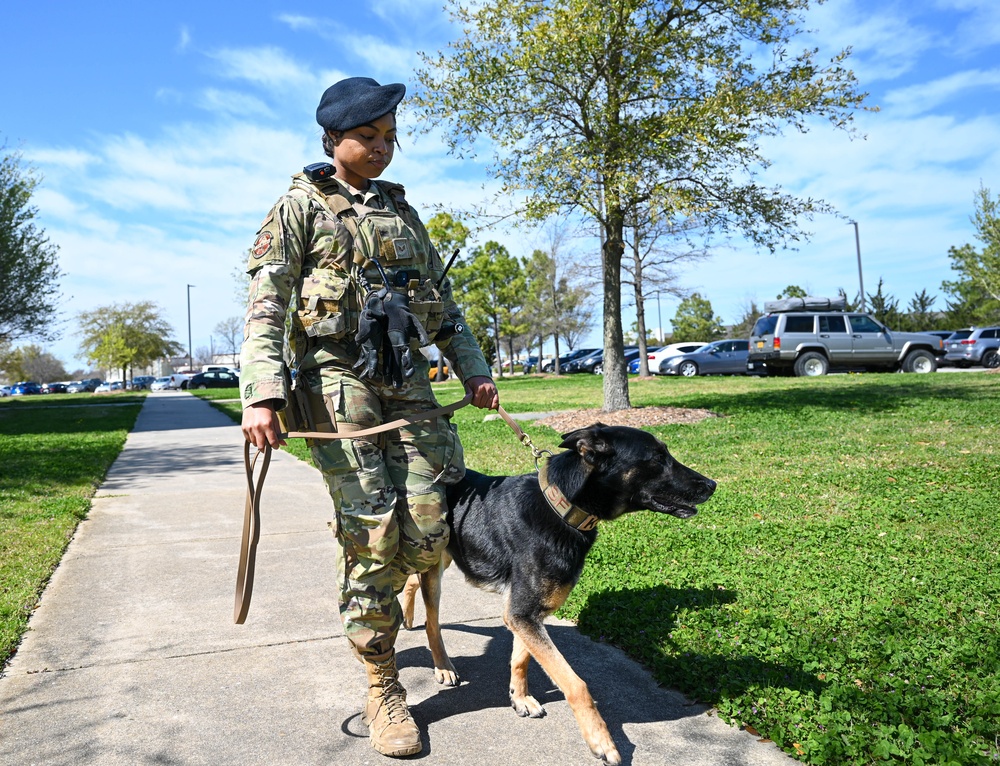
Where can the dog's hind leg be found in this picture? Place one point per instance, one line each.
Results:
(530, 635)
(408, 598)
(430, 589)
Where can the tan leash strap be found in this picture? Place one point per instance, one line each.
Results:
(251, 509)
(251, 533)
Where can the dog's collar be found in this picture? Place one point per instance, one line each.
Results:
(574, 516)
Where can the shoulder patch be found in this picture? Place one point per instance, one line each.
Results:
(266, 246)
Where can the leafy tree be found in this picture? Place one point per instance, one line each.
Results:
(982, 267)
(29, 266)
(792, 291)
(849, 304)
(885, 308)
(125, 336)
(602, 107)
(968, 304)
(30, 363)
(447, 235)
(493, 289)
(695, 320)
(920, 314)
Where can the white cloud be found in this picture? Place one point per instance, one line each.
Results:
(269, 67)
(183, 40)
(927, 96)
(233, 103)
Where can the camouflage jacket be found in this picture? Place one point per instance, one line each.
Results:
(312, 260)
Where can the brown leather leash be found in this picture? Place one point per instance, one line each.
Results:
(251, 508)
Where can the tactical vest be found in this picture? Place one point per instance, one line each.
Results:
(330, 299)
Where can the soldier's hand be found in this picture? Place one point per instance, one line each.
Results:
(484, 392)
(371, 334)
(260, 425)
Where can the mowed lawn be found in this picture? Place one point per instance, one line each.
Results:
(54, 452)
(838, 595)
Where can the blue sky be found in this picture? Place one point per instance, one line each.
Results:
(164, 133)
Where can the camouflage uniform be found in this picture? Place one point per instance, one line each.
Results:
(312, 253)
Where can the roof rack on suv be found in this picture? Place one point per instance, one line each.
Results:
(808, 303)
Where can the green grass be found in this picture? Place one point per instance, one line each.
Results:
(52, 458)
(839, 594)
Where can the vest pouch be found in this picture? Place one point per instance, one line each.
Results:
(326, 307)
(385, 234)
(427, 306)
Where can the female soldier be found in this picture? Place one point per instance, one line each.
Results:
(368, 288)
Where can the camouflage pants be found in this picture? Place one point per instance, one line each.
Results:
(389, 497)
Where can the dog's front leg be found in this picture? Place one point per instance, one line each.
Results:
(430, 589)
(522, 702)
(530, 634)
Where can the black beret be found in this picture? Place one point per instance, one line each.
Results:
(355, 101)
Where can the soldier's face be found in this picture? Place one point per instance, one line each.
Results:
(362, 153)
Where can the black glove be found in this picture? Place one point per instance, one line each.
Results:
(371, 333)
(401, 327)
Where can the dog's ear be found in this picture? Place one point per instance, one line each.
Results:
(588, 442)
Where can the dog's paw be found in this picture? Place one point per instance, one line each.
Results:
(603, 747)
(527, 706)
(610, 757)
(447, 676)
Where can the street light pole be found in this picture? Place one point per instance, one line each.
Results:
(659, 318)
(861, 280)
(189, 326)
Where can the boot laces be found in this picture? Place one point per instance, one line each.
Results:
(393, 695)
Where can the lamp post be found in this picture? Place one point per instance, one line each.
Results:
(861, 280)
(659, 316)
(189, 326)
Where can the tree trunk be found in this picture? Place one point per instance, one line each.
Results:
(496, 341)
(555, 361)
(615, 376)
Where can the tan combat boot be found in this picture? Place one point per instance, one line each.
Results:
(391, 728)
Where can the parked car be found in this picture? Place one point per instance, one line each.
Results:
(721, 357)
(140, 382)
(974, 345)
(632, 358)
(549, 365)
(595, 362)
(83, 386)
(656, 355)
(4, 391)
(172, 382)
(54, 388)
(584, 363)
(214, 379)
(109, 386)
(812, 342)
(25, 388)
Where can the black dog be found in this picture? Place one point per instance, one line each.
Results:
(510, 535)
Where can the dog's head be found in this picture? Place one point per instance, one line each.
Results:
(623, 469)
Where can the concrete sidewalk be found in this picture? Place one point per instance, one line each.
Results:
(133, 658)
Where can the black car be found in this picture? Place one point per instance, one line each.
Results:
(54, 388)
(214, 379)
(565, 359)
(595, 362)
